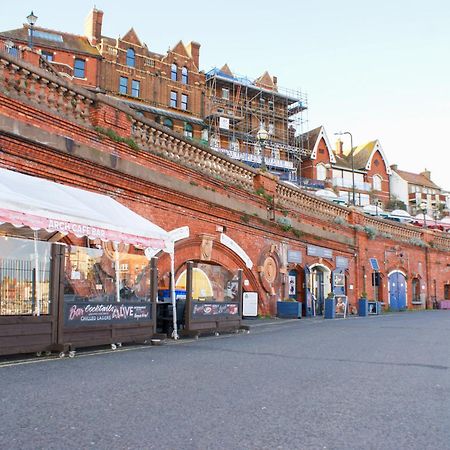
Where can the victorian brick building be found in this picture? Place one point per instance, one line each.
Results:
(286, 241)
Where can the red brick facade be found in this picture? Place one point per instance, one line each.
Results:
(51, 129)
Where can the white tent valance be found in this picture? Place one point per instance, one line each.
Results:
(42, 204)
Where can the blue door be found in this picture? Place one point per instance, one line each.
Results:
(397, 291)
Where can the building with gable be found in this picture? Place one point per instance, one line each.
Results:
(371, 174)
(418, 192)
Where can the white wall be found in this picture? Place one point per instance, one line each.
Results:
(399, 188)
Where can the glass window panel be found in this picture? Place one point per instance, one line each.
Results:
(131, 57)
(173, 99)
(24, 277)
(90, 275)
(184, 102)
(211, 283)
(123, 85)
(47, 55)
(184, 75)
(188, 130)
(134, 277)
(174, 72)
(79, 68)
(135, 88)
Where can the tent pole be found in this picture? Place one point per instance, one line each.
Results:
(172, 295)
(116, 265)
(38, 286)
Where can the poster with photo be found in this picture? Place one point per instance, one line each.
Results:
(341, 306)
(339, 279)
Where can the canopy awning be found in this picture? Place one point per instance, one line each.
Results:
(42, 204)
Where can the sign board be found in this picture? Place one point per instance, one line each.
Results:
(341, 262)
(374, 264)
(250, 304)
(321, 252)
(214, 310)
(294, 256)
(292, 277)
(224, 123)
(236, 248)
(92, 313)
(341, 306)
(179, 233)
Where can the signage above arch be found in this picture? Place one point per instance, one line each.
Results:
(236, 248)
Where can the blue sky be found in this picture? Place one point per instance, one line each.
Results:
(380, 70)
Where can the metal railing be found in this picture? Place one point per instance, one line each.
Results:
(343, 182)
(23, 290)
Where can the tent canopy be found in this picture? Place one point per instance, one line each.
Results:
(42, 204)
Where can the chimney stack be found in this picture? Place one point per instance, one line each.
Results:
(427, 174)
(194, 50)
(93, 26)
(339, 148)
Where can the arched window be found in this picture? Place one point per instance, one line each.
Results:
(321, 172)
(184, 75)
(168, 123)
(188, 130)
(174, 72)
(131, 58)
(376, 182)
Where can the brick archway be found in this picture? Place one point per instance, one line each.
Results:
(190, 250)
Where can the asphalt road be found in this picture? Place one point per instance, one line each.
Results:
(375, 383)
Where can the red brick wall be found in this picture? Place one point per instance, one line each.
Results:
(173, 208)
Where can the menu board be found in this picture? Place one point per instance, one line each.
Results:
(90, 313)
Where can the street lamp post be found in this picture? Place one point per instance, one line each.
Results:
(423, 207)
(262, 136)
(353, 162)
(31, 19)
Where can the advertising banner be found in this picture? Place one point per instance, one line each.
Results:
(85, 313)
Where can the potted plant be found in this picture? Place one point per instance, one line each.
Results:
(330, 306)
(363, 307)
(289, 308)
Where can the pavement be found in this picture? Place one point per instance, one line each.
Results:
(376, 383)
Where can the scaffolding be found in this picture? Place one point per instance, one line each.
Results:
(236, 108)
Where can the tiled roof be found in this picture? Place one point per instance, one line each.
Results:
(361, 155)
(416, 178)
(57, 39)
(308, 140)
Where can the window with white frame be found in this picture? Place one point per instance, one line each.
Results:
(123, 85)
(174, 72)
(173, 99)
(321, 172)
(184, 75)
(184, 102)
(376, 182)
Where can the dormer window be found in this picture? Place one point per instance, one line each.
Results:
(131, 58)
(174, 72)
(184, 75)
